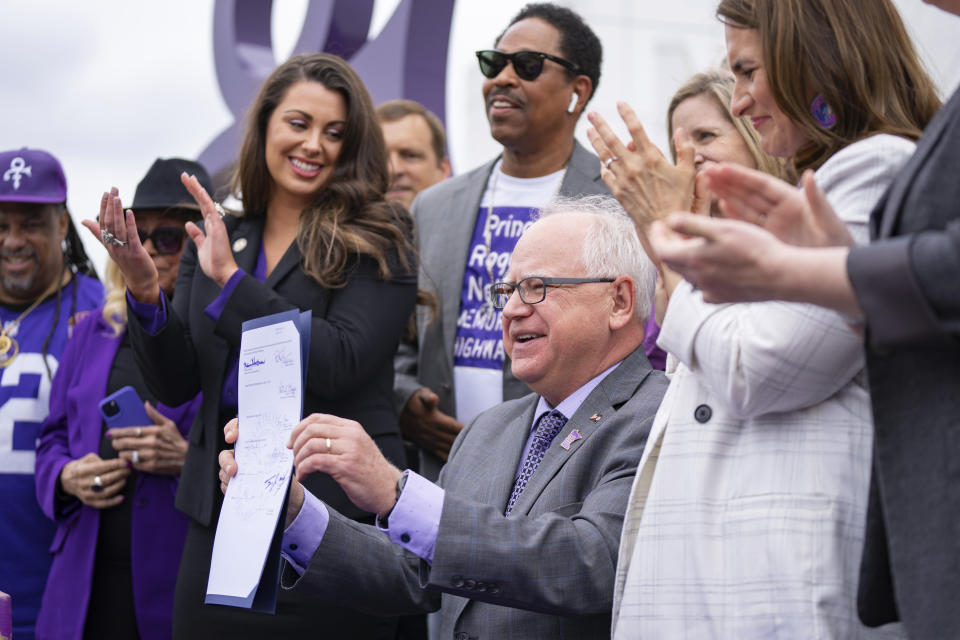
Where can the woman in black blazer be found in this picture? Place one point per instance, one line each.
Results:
(314, 234)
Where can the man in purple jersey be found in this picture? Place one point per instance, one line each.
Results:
(46, 279)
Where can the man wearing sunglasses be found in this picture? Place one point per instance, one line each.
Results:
(538, 78)
(520, 535)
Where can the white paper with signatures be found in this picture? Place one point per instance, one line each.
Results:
(269, 407)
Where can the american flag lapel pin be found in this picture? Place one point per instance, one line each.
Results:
(572, 437)
(596, 417)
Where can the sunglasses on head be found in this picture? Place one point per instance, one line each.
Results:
(166, 240)
(527, 64)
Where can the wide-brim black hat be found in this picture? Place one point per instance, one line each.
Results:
(161, 187)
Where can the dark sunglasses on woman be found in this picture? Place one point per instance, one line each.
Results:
(527, 64)
(166, 240)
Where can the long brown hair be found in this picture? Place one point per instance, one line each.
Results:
(719, 87)
(348, 215)
(856, 54)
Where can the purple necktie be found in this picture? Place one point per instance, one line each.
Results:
(548, 426)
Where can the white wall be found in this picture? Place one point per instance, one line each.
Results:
(108, 86)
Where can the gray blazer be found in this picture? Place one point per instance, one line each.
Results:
(445, 217)
(546, 571)
(908, 285)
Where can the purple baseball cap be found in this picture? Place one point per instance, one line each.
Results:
(31, 175)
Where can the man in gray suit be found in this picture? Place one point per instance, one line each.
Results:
(519, 539)
(468, 225)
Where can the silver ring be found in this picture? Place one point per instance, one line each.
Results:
(109, 238)
(609, 161)
(329, 446)
(135, 459)
(97, 485)
(139, 431)
(220, 209)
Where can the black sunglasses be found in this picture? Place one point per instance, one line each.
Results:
(166, 240)
(527, 64)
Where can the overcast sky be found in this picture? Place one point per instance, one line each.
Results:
(108, 86)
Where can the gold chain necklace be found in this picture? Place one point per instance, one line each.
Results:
(8, 342)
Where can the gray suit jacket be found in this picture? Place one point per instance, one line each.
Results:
(547, 570)
(908, 284)
(445, 217)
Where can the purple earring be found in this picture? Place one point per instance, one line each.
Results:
(822, 112)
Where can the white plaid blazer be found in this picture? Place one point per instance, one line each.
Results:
(747, 513)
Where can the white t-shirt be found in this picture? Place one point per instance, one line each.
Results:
(507, 208)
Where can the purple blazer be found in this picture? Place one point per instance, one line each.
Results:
(73, 429)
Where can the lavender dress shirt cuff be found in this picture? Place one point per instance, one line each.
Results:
(305, 533)
(215, 308)
(152, 317)
(415, 519)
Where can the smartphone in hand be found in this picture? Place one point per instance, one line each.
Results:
(124, 408)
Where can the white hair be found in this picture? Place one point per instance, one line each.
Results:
(611, 247)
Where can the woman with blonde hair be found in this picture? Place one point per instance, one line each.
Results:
(111, 490)
(748, 512)
(314, 233)
(706, 99)
(700, 111)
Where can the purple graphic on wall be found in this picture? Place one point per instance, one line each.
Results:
(408, 59)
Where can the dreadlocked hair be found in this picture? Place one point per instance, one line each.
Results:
(56, 318)
(73, 252)
(76, 261)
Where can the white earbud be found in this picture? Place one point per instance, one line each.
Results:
(573, 102)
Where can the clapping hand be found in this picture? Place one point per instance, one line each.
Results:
(213, 242)
(116, 230)
(801, 217)
(647, 185)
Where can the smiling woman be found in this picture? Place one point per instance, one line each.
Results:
(304, 136)
(758, 463)
(314, 234)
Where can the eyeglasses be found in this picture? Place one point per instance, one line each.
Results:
(533, 290)
(166, 240)
(527, 64)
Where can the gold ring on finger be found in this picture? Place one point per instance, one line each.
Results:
(329, 446)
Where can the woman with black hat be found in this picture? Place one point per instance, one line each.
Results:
(111, 490)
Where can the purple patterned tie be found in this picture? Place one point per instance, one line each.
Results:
(548, 426)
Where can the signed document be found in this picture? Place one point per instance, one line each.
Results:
(270, 403)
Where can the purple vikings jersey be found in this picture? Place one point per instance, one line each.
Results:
(25, 533)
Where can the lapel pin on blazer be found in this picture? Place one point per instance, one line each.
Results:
(572, 437)
(596, 417)
(239, 245)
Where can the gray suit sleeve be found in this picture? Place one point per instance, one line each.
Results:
(356, 566)
(405, 361)
(560, 561)
(907, 287)
(405, 381)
